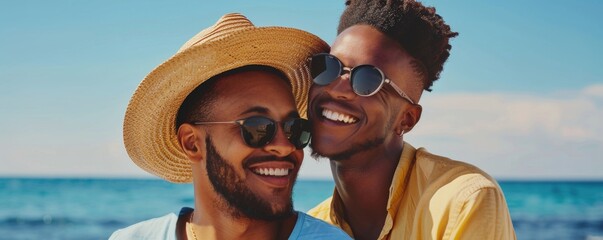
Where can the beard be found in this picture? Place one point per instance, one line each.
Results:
(351, 151)
(241, 202)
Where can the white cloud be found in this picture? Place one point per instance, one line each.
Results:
(517, 135)
(594, 91)
(64, 157)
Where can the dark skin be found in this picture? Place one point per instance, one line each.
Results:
(245, 94)
(363, 179)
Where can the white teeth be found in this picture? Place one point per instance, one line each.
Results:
(335, 116)
(278, 172)
(327, 114)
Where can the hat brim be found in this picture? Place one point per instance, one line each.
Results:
(149, 125)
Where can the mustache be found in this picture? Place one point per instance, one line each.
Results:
(253, 160)
(323, 98)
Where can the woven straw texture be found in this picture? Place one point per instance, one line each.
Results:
(149, 124)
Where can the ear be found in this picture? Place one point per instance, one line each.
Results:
(408, 118)
(192, 142)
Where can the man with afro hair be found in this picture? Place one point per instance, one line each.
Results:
(365, 96)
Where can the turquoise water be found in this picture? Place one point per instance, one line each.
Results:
(94, 208)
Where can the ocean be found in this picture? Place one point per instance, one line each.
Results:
(35, 208)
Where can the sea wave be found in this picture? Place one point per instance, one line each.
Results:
(49, 221)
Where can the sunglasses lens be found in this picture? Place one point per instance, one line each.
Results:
(298, 132)
(324, 69)
(366, 80)
(258, 131)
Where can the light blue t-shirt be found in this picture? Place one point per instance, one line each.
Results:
(164, 228)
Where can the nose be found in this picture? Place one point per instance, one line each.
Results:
(280, 146)
(341, 87)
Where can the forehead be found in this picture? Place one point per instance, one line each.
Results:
(363, 44)
(239, 92)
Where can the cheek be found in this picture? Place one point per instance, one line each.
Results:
(233, 150)
(314, 90)
(298, 156)
(379, 113)
(314, 94)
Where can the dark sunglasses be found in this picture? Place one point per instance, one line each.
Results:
(258, 131)
(366, 80)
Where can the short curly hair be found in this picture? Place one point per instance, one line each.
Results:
(418, 29)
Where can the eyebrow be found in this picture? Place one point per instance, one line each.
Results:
(256, 109)
(265, 111)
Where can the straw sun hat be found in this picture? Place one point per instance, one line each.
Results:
(149, 124)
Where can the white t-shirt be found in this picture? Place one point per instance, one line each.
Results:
(164, 228)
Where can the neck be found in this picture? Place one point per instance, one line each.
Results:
(363, 183)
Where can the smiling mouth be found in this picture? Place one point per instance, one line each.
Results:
(272, 172)
(338, 117)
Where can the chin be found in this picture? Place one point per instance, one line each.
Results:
(279, 201)
(279, 211)
(318, 152)
(325, 147)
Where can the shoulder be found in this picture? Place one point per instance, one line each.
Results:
(308, 227)
(156, 228)
(441, 170)
(444, 180)
(435, 162)
(458, 198)
(453, 183)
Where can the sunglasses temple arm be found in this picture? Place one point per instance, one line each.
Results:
(205, 123)
(400, 92)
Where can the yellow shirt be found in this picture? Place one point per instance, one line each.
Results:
(433, 197)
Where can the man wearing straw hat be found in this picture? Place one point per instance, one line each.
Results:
(224, 113)
(365, 97)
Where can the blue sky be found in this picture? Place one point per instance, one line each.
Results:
(521, 95)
